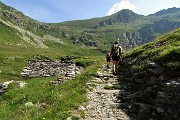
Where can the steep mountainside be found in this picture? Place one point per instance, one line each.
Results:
(150, 76)
(21, 31)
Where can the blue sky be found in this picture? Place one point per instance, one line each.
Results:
(52, 11)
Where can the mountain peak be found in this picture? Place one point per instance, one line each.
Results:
(125, 16)
(125, 11)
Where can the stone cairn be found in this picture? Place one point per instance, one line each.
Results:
(44, 68)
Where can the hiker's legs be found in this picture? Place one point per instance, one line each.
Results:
(116, 66)
(117, 62)
(108, 63)
(113, 66)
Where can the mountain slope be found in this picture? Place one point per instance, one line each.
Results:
(32, 33)
(150, 78)
(126, 26)
(22, 38)
(129, 28)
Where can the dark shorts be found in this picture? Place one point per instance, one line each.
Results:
(108, 59)
(115, 58)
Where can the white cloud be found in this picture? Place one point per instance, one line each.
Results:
(123, 4)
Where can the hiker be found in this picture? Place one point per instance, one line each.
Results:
(116, 54)
(108, 59)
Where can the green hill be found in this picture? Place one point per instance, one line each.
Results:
(150, 77)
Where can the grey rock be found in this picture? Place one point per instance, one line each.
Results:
(29, 104)
(21, 84)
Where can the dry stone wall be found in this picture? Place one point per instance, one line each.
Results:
(46, 68)
(65, 70)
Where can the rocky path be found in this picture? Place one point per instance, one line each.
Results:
(103, 103)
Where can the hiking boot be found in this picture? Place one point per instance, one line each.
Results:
(114, 73)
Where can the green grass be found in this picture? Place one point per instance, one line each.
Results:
(59, 100)
(10, 36)
(164, 50)
(13, 58)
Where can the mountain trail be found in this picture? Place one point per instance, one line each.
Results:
(103, 103)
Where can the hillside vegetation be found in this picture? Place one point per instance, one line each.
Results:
(125, 26)
(23, 39)
(150, 75)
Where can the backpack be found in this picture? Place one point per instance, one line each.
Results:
(108, 55)
(115, 50)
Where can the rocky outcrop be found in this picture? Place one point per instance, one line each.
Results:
(149, 32)
(4, 86)
(150, 92)
(132, 39)
(124, 16)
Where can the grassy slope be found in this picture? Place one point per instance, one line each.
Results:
(144, 86)
(10, 36)
(164, 50)
(59, 100)
(14, 51)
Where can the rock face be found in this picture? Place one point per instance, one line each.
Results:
(46, 68)
(124, 16)
(4, 86)
(147, 32)
(151, 92)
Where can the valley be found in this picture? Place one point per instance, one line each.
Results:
(34, 56)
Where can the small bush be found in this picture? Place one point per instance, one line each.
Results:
(84, 62)
(136, 68)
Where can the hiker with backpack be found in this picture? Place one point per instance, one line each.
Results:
(116, 55)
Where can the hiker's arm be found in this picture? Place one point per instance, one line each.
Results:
(110, 54)
(120, 54)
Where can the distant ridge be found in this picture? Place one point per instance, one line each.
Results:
(129, 28)
(166, 11)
